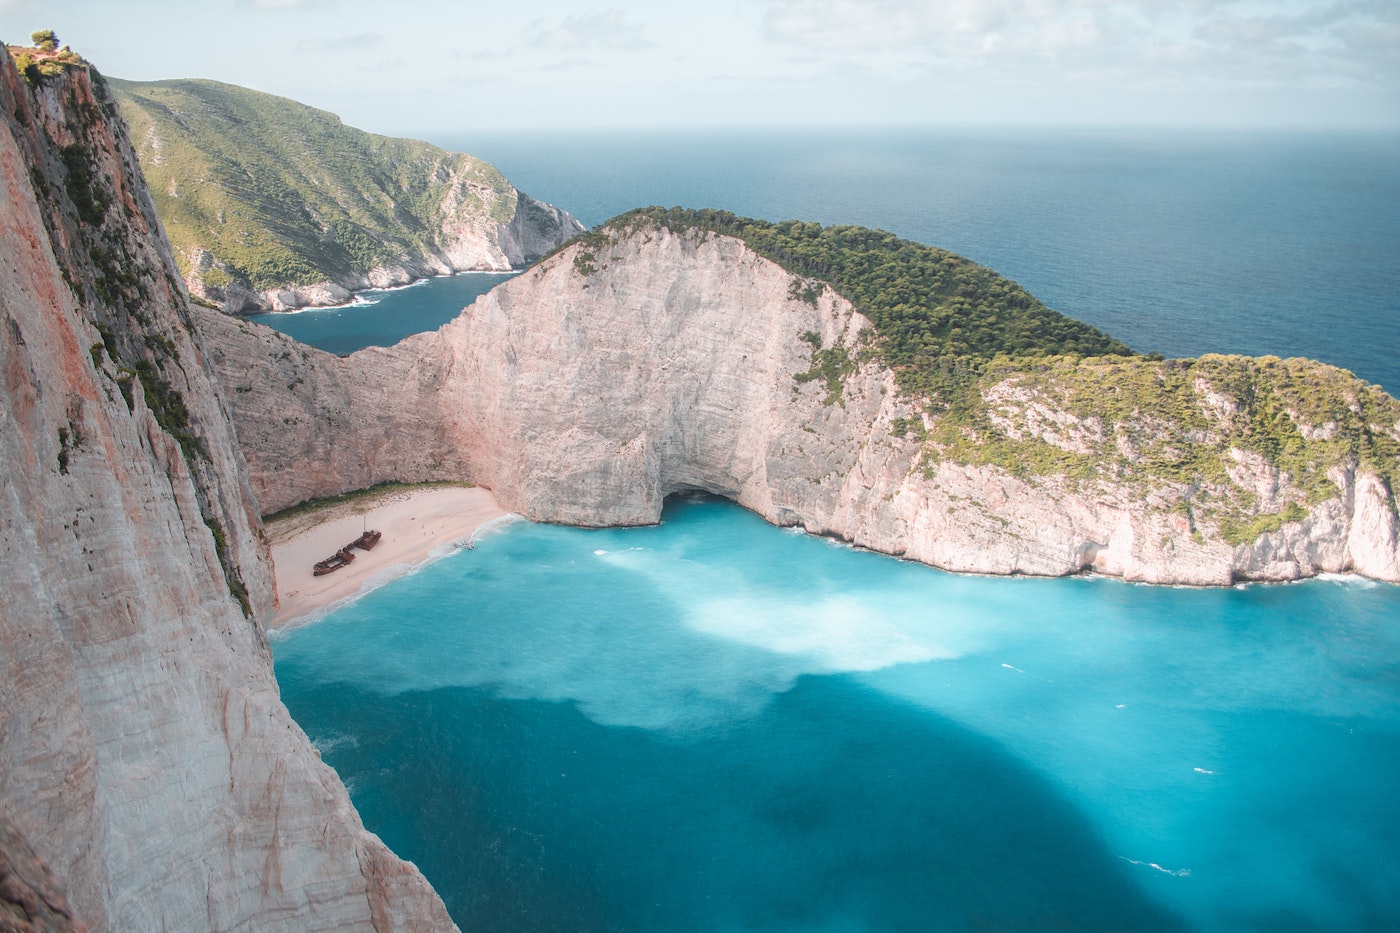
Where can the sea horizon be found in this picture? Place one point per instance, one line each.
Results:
(1219, 243)
(716, 724)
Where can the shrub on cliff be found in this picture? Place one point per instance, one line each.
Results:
(46, 59)
(940, 318)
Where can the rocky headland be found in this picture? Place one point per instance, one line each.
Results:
(654, 357)
(272, 205)
(150, 777)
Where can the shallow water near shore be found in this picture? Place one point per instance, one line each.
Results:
(714, 724)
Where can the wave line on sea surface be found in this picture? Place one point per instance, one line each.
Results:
(1174, 872)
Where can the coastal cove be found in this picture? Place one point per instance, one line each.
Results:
(418, 524)
(383, 317)
(717, 724)
(706, 573)
(701, 724)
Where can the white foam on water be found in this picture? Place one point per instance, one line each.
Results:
(1174, 872)
(495, 526)
(398, 288)
(330, 743)
(834, 633)
(1348, 579)
(1202, 771)
(311, 309)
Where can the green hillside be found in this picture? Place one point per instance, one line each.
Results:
(940, 318)
(281, 193)
(985, 362)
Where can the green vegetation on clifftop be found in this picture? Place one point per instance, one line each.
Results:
(1245, 443)
(280, 193)
(995, 378)
(940, 318)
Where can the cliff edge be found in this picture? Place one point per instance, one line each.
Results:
(271, 204)
(145, 757)
(651, 358)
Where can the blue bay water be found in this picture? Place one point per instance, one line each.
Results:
(383, 317)
(718, 725)
(714, 724)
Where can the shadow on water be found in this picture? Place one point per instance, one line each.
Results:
(837, 809)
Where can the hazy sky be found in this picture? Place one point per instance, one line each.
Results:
(409, 66)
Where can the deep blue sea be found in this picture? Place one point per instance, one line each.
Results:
(716, 725)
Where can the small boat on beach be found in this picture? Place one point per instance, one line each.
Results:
(333, 563)
(367, 540)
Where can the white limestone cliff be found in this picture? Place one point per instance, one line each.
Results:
(145, 755)
(587, 398)
(467, 242)
(248, 183)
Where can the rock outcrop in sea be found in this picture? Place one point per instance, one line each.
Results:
(150, 777)
(609, 376)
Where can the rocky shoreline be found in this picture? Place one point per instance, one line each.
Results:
(586, 399)
(509, 248)
(331, 294)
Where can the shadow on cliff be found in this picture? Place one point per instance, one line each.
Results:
(838, 808)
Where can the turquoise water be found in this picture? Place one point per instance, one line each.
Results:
(714, 724)
(383, 317)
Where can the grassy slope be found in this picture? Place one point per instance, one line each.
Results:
(986, 363)
(281, 193)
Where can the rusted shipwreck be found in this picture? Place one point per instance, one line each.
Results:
(345, 555)
(333, 563)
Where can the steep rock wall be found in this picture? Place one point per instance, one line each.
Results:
(144, 753)
(273, 205)
(317, 425)
(586, 390)
(466, 243)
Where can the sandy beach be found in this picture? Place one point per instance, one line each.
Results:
(416, 522)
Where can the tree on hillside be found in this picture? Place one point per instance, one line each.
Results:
(45, 39)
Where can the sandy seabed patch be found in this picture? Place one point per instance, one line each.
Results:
(416, 523)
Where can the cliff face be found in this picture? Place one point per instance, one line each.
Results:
(272, 204)
(144, 753)
(590, 387)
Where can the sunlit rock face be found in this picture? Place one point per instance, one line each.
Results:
(273, 205)
(144, 753)
(587, 390)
